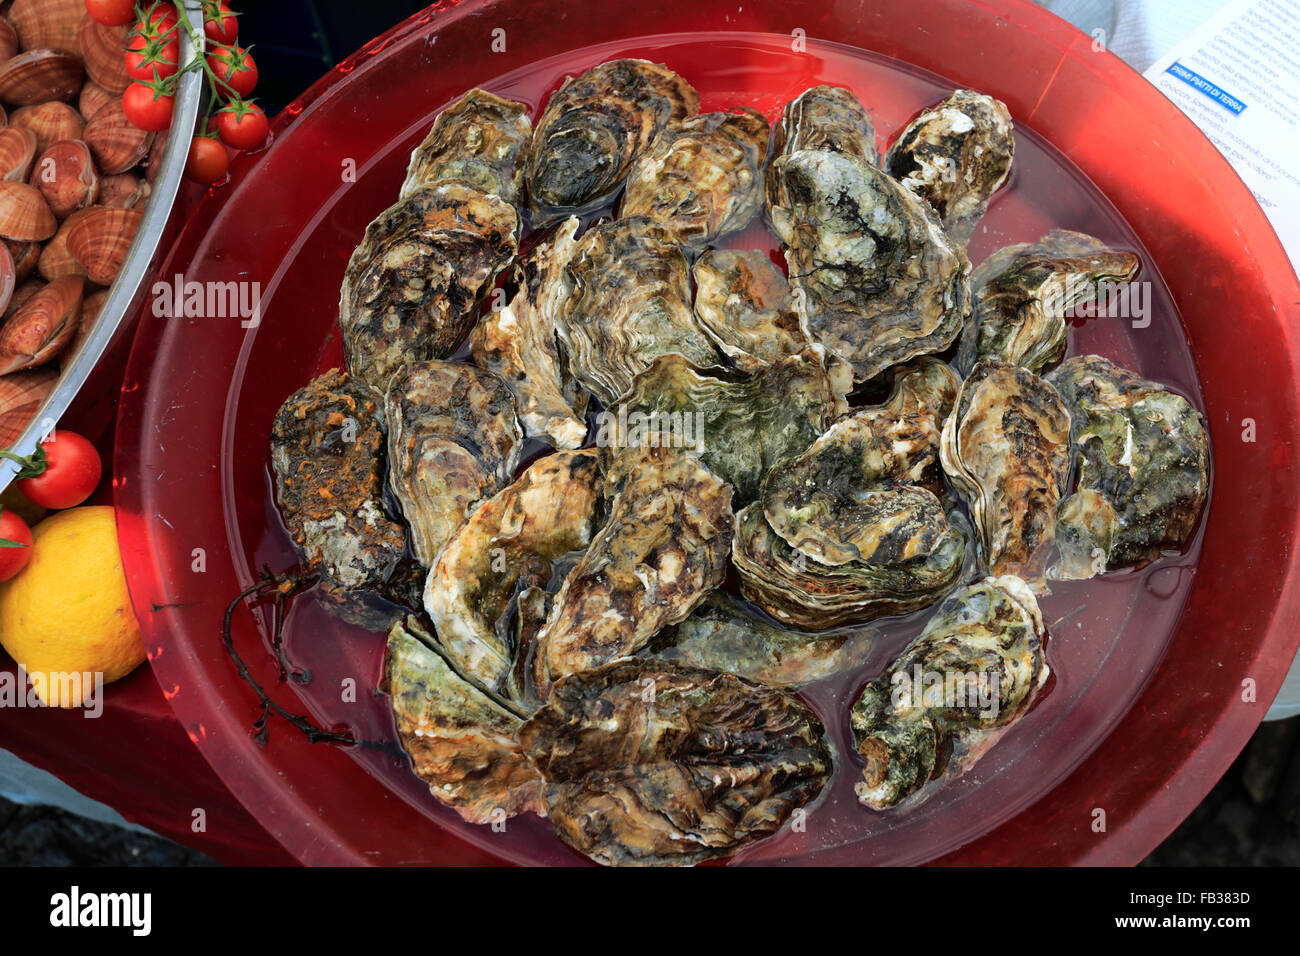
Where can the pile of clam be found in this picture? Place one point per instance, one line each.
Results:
(74, 177)
(749, 466)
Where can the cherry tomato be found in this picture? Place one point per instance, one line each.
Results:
(146, 109)
(219, 23)
(243, 127)
(72, 471)
(112, 13)
(150, 60)
(208, 160)
(242, 77)
(15, 544)
(161, 23)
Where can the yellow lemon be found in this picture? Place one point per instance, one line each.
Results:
(66, 617)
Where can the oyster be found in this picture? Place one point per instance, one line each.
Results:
(592, 129)
(955, 156)
(663, 548)
(518, 343)
(1143, 466)
(327, 453)
(876, 278)
(701, 176)
(869, 489)
(722, 634)
(823, 117)
(801, 592)
(1006, 447)
(739, 423)
(480, 140)
(453, 440)
(953, 691)
(461, 740)
(652, 763)
(507, 545)
(630, 302)
(1021, 308)
(414, 283)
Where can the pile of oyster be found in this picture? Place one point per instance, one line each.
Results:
(742, 471)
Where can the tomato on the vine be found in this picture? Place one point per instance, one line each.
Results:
(220, 23)
(208, 160)
(152, 59)
(111, 13)
(235, 69)
(72, 472)
(147, 107)
(162, 20)
(15, 544)
(243, 125)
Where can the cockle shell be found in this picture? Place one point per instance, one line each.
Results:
(24, 213)
(25, 256)
(48, 24)
(123, 191)
(66, 177)
(8, 277)
(21, 395)
(55, 261)
(38, 76)
(8, 40)
(17, 150)
(101, 239)
(42, 327)
(50, 123)
(25, 290)
(90, 308)
(103, 48)
(116, 143)
(93, 98)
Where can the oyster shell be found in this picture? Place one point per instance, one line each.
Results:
(739, 423)
(722, 634)
(518, 343)
(1006, 448)
(453, 440)
(952, 692)
(663, 548)
(653, 763)
(1143, 466)
(327, 453)
(801, 592)
(480, 140)
(414, 283)
(593, 127)
(869, 489)
(461, 740)
(1022, 297)
(507, 545)
(701, 176)
(630, 302)
(955, 156)
(876, 278)
(823, 117)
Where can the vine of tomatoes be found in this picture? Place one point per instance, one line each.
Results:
(232, 119)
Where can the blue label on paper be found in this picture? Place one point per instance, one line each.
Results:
(1198, 82)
